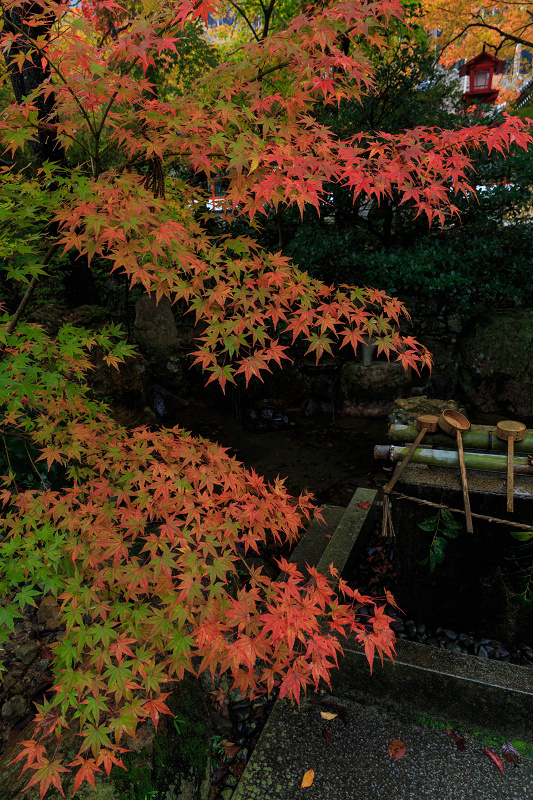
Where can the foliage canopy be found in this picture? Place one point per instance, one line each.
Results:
(140, 533)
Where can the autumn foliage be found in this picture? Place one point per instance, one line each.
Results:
(142, 534)
(465, 28)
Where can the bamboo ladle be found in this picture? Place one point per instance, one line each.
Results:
(451, 422)
(425, 423)
(513, 432)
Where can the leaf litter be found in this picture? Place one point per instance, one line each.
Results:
(308, 779)
(456, 737)
(396, 749)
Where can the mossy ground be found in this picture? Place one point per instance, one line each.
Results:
(484, 738)
(181, 749)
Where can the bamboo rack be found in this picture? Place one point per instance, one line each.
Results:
(473, 438)
(493, 462)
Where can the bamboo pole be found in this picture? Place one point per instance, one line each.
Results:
(510, 475)
(400, 468)
(450, 458)
(482, 439)
(421, 502)
(464, 484)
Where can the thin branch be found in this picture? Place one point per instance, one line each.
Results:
(51, 64)
(29, 291)
(105, 113)
(507, 36)
(34, 467)
(18, 435)
(245, 17)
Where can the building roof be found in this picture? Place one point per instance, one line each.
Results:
(481, 60)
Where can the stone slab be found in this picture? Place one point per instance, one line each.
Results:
(351, 531)
(355, 765)
(314, 541)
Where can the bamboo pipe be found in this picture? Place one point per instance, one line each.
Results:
(483, 439)
(492, 462)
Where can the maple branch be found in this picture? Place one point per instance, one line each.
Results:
(29, 291)
(17, 435)
(105, 113)
(245, 17)
(52, 66)
(268, 14)
(33, 465)
(506, 36)
(262, 73)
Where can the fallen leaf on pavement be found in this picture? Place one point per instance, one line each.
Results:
(307, 779)
(336, 708)
(396, 749)
(456, 737)
(510, 753)
(495, 758)
(363, 504)
(327, 715)
(327, 736)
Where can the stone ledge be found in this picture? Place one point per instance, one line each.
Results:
(452, 687)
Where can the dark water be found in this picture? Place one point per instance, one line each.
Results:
(329, 459)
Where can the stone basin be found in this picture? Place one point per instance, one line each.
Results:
(474, 692)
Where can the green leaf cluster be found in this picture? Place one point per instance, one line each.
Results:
(520, 577)
(443, 526)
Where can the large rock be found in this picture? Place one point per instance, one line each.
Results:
(155, 327)
(14, 709)
(49, 613)
(496, 362)
(407, 409)
(371, 391)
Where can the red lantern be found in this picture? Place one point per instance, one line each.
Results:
(480, 71)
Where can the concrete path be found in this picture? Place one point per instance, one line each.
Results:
(355, 764)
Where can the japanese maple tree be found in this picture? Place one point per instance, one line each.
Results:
(141, 533)
(465, 27)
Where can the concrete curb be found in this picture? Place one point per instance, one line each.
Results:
(457, 689)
